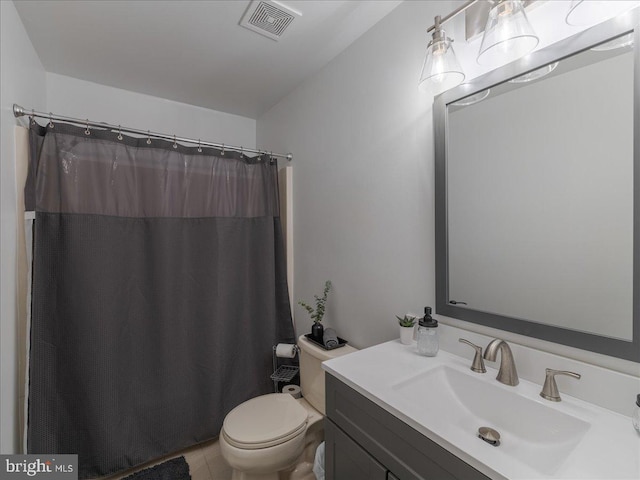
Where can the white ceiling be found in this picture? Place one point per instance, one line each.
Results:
(193, 51)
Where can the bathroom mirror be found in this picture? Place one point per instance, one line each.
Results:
(537, 224)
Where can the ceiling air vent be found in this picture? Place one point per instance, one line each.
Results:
(268, 18)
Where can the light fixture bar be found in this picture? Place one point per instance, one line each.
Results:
(452, 14)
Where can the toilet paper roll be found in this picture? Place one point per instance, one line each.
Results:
(293, 390)
(285, 350)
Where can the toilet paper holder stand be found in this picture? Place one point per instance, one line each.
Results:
(283, 373)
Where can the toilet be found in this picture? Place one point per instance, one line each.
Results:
(275, 436)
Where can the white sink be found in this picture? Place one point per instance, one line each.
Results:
(531, 432)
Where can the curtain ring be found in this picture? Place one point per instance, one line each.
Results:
(50, 120)
(175, 145)
(199, 147)
(32, 117)
(241, 152)
(119, 132)
(87, 131)
(148, 137)
(222, 153)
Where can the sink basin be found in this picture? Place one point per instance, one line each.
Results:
(459, 403)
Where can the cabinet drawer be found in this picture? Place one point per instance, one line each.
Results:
(400, 448)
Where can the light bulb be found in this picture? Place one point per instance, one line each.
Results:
(508, 35)
(440, 70)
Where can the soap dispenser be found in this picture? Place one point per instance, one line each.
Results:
(428, 335)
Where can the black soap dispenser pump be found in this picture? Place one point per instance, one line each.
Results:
(428, 344)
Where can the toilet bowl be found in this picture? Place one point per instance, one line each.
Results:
(274, 436)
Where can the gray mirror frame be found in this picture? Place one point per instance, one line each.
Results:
(565, 48)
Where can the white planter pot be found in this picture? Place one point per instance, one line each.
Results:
(406, 335)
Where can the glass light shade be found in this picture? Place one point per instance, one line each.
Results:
(508, 34)
(619, 42)
(471, 99)
(589, 12)
(535, 74)
(440, 70)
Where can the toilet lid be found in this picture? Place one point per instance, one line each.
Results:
(265, 420)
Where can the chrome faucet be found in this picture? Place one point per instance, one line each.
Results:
(507, 373)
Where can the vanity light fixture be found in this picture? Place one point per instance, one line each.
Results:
(589, 12)
(508, 35)
(441, 69)
(535, 74)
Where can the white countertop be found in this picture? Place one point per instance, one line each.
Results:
(610, 448)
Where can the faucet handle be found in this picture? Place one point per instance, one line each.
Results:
(550, 389)
(478, 361)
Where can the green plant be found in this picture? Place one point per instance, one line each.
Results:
(318, 312)
(406, 321)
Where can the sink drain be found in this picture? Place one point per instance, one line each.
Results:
(489, 435)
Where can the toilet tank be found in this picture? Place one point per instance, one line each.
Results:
(311, 372)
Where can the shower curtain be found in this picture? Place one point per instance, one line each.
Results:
(159, 289)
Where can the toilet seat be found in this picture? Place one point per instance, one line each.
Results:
(265, 421)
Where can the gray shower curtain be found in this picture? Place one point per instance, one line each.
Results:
(159, 289)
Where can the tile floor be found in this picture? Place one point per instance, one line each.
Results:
(205, 463)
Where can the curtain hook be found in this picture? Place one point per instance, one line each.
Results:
(241, 152)
(148, 137)
(32, 117)
(87, 131)
(222, 153)
(50, 120)
(199, 147)
(119, 132)
(175, 145)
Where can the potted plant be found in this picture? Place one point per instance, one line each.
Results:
(317, 313)
(406, 328)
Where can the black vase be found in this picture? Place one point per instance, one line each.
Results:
(317, 331)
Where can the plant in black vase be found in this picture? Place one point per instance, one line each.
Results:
(317, 313)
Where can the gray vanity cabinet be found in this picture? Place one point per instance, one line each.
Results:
(350, 460)
(365, 442)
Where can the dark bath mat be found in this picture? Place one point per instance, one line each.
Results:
(174, 469)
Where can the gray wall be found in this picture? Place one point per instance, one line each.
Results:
(78, 98)
(361, 134)
(362, 138)
(23, 82)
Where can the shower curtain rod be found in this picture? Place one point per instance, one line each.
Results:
(19, 111)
